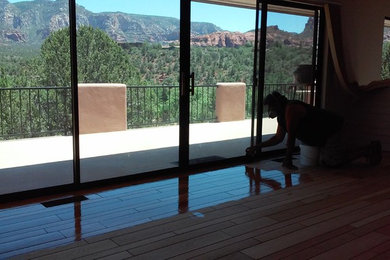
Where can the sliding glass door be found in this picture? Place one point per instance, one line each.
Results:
(221, 70)
(35, 96)
(160, 84)
(288, 60)
(128, 74)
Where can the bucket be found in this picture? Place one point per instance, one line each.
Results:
(309, 155)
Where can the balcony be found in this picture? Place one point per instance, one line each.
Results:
(36, 146)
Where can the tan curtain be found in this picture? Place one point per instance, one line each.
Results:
(333, 29)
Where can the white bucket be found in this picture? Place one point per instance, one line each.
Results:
(309, 155)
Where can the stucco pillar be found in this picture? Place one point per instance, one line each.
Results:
(102, 107)
(230, 102)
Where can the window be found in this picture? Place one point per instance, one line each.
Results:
(385, 73)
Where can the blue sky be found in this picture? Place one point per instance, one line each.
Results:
(227, 18)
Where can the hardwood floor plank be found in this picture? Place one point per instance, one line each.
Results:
(118, 256)
(236, 255)
(83, 232)
(38, 249)
(374, 252)
(29, 223)
(272, 209)
(278, 230)
(334, 213)
(371, 219)
(76, 252)
(243, 228)
(228, 216)
(181, 238)
(21, 235)
(383, 256)
(46, 251)
(29, 242)
(371, 226)
(220, 249)
(354, 247)
(181, 247)
(311, 247)
(293, 238)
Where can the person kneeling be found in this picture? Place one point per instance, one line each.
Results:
(313, 127)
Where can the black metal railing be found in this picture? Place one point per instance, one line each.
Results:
(46, 111)
(33, 112)
(159, 105)
(291, 91)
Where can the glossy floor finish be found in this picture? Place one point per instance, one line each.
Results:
(243, 212)
(67, 219)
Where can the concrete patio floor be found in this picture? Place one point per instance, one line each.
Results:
(47, 161)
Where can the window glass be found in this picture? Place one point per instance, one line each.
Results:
(385, 72)
(35, 97)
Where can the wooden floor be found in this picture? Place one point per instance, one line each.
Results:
(244, 212)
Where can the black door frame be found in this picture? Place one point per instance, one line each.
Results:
(260, 55)
(258, 71)
(185, 52)
(185, 27)
(75, 93)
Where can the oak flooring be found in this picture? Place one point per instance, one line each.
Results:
(258, 211)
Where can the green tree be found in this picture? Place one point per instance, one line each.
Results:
(4, 79)
(99, 59)
(385, 73)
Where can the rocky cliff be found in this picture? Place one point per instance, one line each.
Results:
(31, 22)
(234, 39)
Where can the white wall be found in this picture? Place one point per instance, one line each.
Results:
(362, 27)
(368, 115)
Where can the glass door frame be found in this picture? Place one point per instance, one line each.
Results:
(75, 95)
(260, 55)
(258, 70)
(184, 85)
(184, 81)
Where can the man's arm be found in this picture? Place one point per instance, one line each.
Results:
(276, 139)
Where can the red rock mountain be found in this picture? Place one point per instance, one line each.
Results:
(234, 39)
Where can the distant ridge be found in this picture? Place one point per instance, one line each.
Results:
(31, 22)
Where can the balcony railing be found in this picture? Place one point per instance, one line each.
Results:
(46, 111)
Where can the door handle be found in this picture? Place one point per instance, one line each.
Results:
(192, 86)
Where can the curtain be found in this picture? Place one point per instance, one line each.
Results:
(333, 29)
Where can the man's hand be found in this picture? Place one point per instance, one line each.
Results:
(287, 163)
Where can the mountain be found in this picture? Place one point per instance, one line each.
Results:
(274, 34)
(32, 21)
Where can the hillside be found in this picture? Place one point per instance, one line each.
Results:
(31, 22)
(235, 39)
